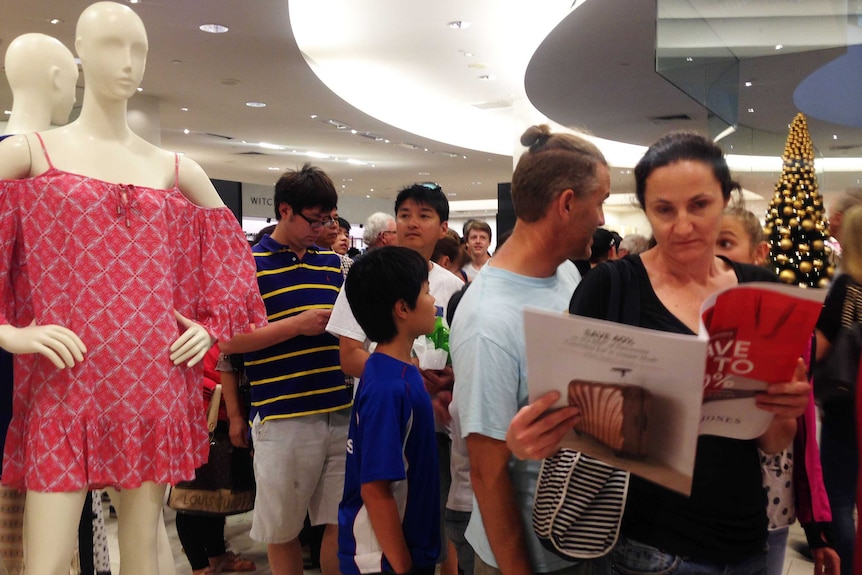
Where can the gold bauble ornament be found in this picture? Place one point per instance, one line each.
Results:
(806, 267)
(804, 248)
(823, 283)
(773, 212)
(817, 245)
(786, 244)
(827, 250)
(787, 211)
(807, 225)
(784, 231)
(781, 259)
(830, 271)
(785, 192)
(793, 222)
(817, 263)
(787, 276)
(797, 204)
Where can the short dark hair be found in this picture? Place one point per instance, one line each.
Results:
(343, 224)
(555, 162)
(377, 281)
(308, 187)
(429, 194)
(676, 147)
(448, 246)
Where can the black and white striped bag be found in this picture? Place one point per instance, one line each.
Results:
(579, 505)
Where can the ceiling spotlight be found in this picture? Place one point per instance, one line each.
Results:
(134, 1)
(186, 131)
(213, 28)
(7, 112)
(256, 104)
(751, 110)
(140, 89)
(367, 196)
(834, 136)
(689, 59)
(353, 132)
(184, 109)
(458, 25)
(779, 46)
(55, 21)
(273, 169)
(268, 146)
(313, 116)
(748, 84)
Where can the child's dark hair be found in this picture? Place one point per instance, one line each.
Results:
(377, 281)
(429, 194)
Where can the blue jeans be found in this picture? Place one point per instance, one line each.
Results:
(777, 543)
(840, 461)
(455, 523)
(633, 558)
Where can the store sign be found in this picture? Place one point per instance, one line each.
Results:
(257, 201)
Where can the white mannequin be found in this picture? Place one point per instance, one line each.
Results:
(112, 44)
(42, 74)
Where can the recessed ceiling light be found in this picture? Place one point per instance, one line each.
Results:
(273, 169)
(184, 109)
(353, 132)
(751, 110)
(371, 190)
(748, 84)
(55, 21)
(355, 162)
(487, 77)
(466, 53)
(7, 112)
(313, 116)
(367, 196)
(689, 59)
(140, 89)
(779, 46)
(134, 1)
(458, 25)
(317, 155)
(186, 131)
(213, 28)
(256, 104)
(834, 136)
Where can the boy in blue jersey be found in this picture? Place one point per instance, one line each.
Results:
(389, 518)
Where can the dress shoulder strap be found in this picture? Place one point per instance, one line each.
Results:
(45, 150)
(176, 170)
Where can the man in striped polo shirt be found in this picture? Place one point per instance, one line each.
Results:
(300, 405)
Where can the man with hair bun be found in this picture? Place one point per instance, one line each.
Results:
(558, 189)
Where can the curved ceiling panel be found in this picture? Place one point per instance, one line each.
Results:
(402, 63)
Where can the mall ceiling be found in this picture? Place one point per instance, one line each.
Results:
(595, 70)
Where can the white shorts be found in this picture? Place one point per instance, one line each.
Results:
(299, 468)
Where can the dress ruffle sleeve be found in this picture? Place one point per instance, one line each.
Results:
(215, 275)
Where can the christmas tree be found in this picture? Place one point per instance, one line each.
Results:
(795, 226)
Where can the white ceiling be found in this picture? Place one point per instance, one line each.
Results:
(397, 63)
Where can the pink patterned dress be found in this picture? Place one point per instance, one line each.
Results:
(111, 262)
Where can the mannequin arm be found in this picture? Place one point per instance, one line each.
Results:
(193, 343)
(58, 344)
(196, 186)
(14, 158)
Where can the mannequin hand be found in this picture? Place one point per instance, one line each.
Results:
(193, 343)
(59, 344)
(787, 400)
(535, 432)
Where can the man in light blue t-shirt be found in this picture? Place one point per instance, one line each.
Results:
(557, 190)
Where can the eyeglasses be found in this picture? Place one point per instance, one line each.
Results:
(326, 222)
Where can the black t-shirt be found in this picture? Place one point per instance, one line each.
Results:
(724, 520)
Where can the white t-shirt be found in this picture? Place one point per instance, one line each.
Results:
(441, 282)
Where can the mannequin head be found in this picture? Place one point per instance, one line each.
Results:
(111, 41)
(42, 74)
